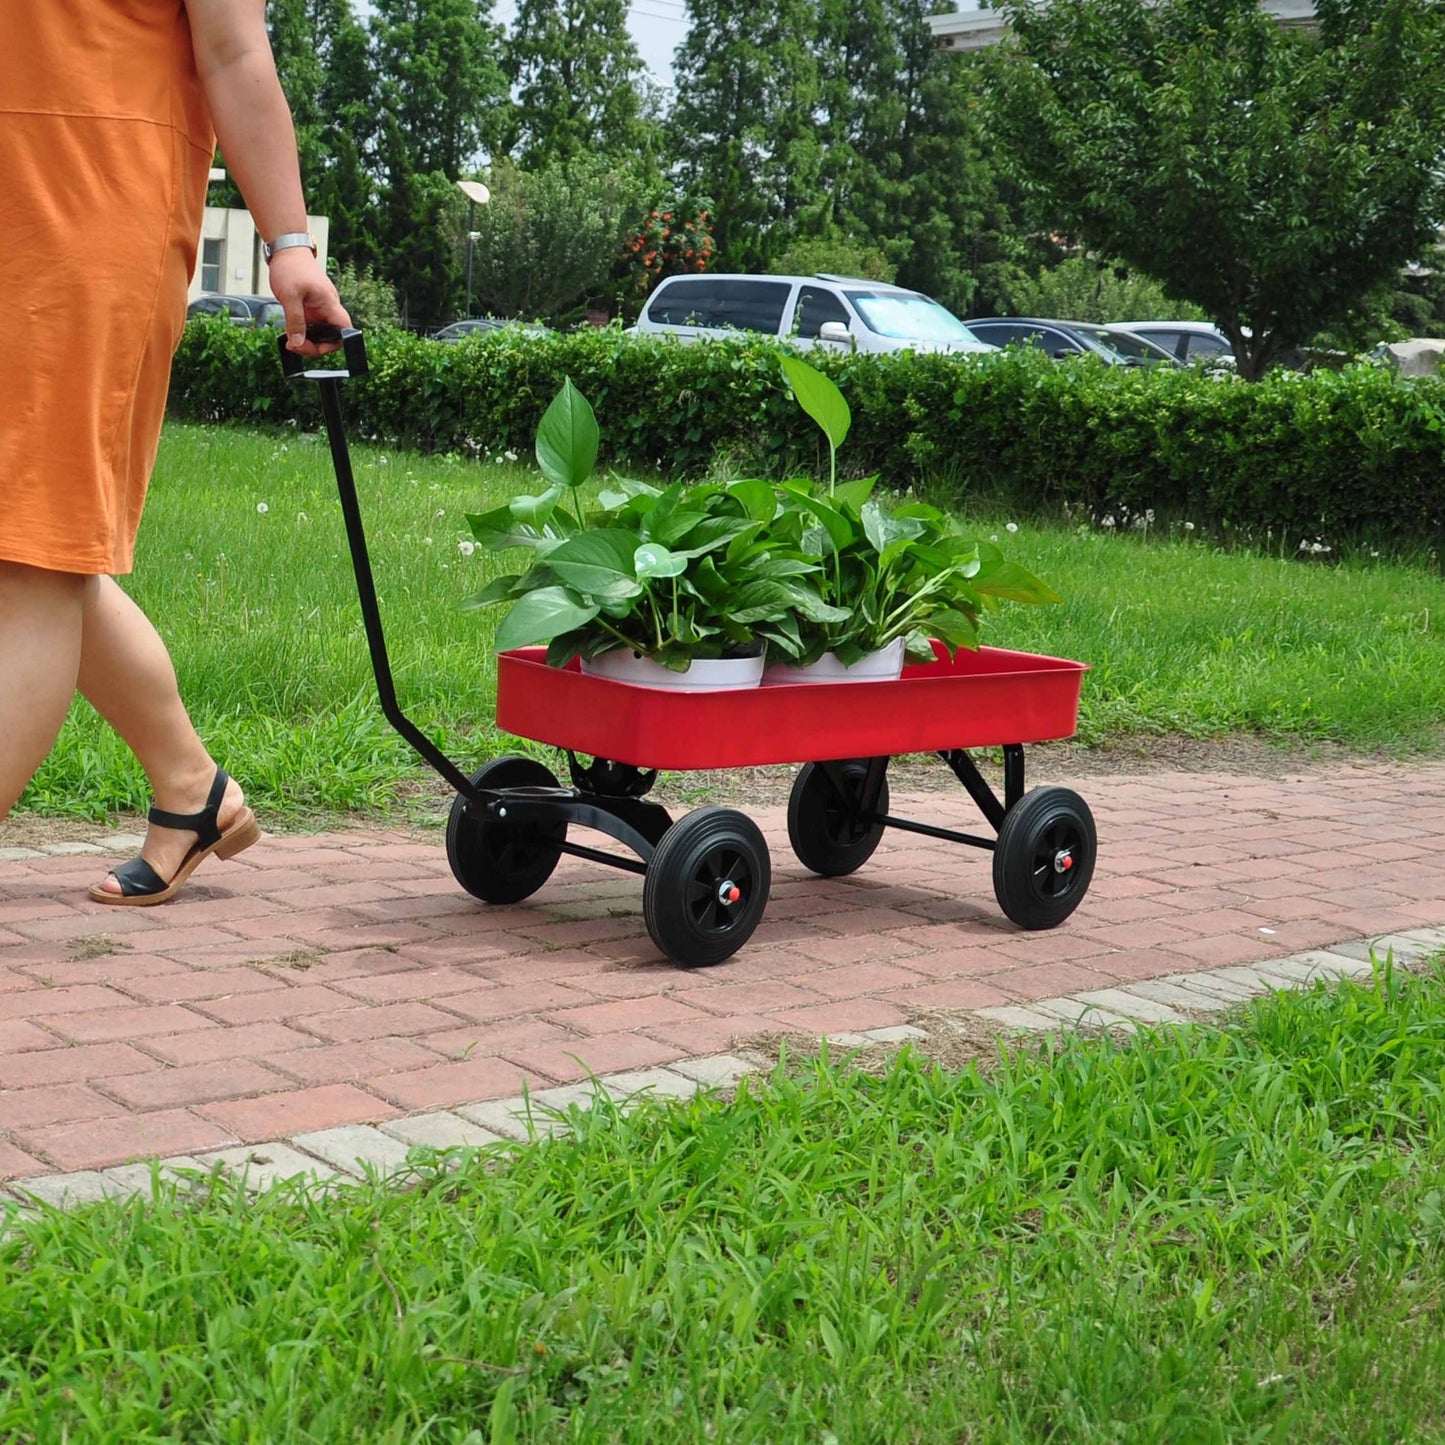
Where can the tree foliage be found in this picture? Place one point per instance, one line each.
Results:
(1271, 177)
(440, 78)
(577, 78)
(549, 239)
(743, 122)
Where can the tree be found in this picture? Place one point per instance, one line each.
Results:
(441, 79)
(1272, 178)
(549, 239)
(575, 73)
(747, 88)
(418, 234)
(905, 163)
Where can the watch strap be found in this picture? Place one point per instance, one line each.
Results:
(290, 240)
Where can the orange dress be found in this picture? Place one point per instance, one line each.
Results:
(105, 146)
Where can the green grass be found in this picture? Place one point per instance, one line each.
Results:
(261, 614)
(1196, 1235)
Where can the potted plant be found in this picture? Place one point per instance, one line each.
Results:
(900, 575)
(667, 586)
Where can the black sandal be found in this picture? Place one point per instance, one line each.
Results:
(142, 887)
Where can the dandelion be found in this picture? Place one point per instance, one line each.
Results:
(262, 508)
(1011, 527)
(441, 512)
(302, 517)
(383, 461)
(510, 456)
(466, 548)
(1189, 526)
(426, 541)
(1108, 521)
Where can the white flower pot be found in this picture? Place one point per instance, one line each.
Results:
(702, 675)
(883, 666)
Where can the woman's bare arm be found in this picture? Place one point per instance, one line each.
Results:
(253, 126)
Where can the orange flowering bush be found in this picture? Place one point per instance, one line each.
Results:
(668, 243)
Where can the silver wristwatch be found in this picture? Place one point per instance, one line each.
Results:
(286, 242)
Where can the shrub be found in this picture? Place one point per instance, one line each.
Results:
(1357, 454)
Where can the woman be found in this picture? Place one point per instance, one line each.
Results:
(109, 113)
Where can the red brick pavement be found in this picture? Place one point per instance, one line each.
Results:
(318, 982)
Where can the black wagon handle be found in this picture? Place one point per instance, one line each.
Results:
(353, 352)
(329, 380)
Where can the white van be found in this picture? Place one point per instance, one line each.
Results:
(835, 312)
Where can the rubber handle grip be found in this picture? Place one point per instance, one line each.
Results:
(353, 348)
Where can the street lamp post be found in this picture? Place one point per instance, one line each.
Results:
(477, 195)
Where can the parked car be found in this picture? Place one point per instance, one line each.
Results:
(460, 329)
(1186, 341)
(824, 311)
(1070, 338)
(243, 310)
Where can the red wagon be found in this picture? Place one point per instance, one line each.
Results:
(706, 876)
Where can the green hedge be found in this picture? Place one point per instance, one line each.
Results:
(1337, 456)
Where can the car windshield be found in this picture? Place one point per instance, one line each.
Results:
(903, 317)
(1121, 344)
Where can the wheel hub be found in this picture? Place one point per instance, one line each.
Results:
(1063, 860)
(728, 893)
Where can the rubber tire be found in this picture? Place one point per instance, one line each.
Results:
(1040, 825)
(679, 904)
(487, 856)
(818, 826)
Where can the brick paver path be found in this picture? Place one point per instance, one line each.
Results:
(325, 981)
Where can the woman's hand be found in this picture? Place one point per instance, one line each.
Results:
(305, 290)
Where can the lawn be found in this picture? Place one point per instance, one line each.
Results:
(242, 563)
(1197, 1235)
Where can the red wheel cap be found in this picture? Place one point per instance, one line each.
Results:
(734, 893)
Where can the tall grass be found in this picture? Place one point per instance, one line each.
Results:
(242, 563)
(1195, 1235)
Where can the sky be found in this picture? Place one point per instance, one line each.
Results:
(657, 26)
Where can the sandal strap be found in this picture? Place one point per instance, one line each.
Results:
(137, 879)
(203, 823)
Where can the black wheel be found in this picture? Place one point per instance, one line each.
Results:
(492, 860)
(1045, 857)
(706, 886)
(824, 829)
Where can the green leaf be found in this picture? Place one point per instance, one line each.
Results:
(1014, 584)
(499, 531)
(652, 560)
(497, 590)
(839, 529)
(819, 396)
(622, 490)
(953, 629)
(758, 499)
(598, 563)
(567, 439)
(883, 529)
(535, 511)
(542, 615)
(854, 494)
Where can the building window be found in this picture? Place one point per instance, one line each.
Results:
(212, 260)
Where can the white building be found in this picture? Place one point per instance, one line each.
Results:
(974, 28)
(230, 259)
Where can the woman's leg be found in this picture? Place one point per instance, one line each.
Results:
(40, 625)
(126, 673)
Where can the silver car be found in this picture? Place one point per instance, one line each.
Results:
(831, 312)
